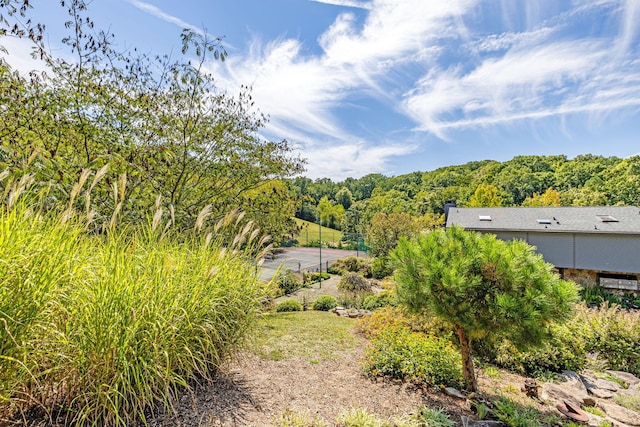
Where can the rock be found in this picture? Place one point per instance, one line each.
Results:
(468, 422)
(561, 392)
(450, 391)
(592, 388)
(600, 382)
(630, 379)
(621, 414)
(573, 380)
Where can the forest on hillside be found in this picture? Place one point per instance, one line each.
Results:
(417, 199)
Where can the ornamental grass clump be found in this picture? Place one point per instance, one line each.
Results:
(98, 329)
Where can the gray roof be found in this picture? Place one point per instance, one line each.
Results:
(587, 219)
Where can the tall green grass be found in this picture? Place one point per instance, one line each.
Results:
(97, 329)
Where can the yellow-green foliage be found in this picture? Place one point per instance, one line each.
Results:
(389, 317)
(609, 331)
(612, 332)
(413, 357)
(107, 326)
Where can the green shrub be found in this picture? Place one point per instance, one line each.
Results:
(610, 332)
(564, 350)
(353, 299)
(515, 415)
(325, 303)
(288, 305)
(381, 268)
(297, 419)
(379, 300)
(613, 333)
(413, 357)
(313, 277)
(351, 264)
(353, 282)
(286, 282)
(385, 317)
(358, 417)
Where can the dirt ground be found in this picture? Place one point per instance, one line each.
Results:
(255, 392)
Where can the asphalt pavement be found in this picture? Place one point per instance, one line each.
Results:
(307, 259)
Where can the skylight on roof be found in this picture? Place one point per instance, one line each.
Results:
(607, 218)
(544, 221)
(484, 217)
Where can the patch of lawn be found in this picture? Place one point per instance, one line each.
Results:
(310, 233)
(312, 335)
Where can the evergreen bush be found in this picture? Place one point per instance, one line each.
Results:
(325, 303)
(288, 306)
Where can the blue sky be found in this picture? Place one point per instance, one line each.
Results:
(395, 86)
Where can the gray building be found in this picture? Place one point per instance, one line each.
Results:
(587, 244)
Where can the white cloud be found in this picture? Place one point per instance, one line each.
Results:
(539, 75)
(302, 93)
(351, 159)
(345, 3)
(19, 55)
(158, 13)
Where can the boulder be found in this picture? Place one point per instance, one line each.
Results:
(573, 380)
(630, 379)
(600, 382)
(621, 414)
(592, 387)
(450, 391)
(563, 392)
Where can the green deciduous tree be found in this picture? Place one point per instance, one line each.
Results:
(482, 286)
(486, 195)
(162, 122)
(344, 197)
(385, 230)
(549, 198)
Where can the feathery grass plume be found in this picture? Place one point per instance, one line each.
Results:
(96, 179)
(241, 237)
(99, 175)
(109, 326)
(157, 216)
(202, 216)
(18, 188)
(118, 200)
(225, 221)
(75, 190)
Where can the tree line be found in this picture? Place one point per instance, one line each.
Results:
(375, 202)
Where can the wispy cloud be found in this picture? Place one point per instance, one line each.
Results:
(352, 159)
(346, 3)
(447, 67)
(303, 94)
(158, 13)
(532, 75)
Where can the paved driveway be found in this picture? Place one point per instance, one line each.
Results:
(308, 259)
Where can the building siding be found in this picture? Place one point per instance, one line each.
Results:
(618, 253)
(558, 249)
